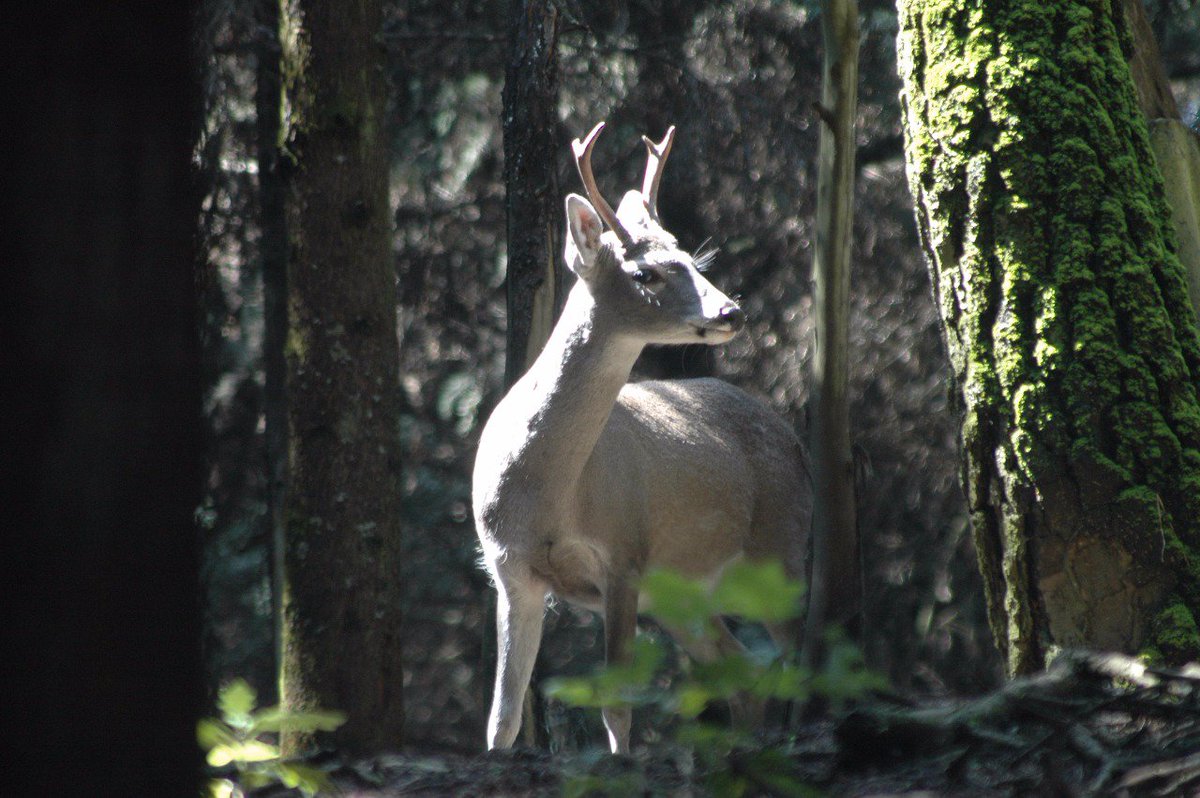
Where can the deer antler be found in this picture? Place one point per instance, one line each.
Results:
(583, 162)
(656, 158)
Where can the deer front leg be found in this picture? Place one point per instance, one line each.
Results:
(620, 627)
(520, 606)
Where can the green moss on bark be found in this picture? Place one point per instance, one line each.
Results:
(1073, 346)
(1175, 636)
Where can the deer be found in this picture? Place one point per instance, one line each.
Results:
(584, 480)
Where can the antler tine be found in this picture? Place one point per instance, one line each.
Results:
(656, 158)
(583, 162)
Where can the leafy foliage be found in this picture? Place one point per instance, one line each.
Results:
(235, 744)
(757, 592)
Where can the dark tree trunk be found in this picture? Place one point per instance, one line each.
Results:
(533, 202)
(341, 594)
(1071, 339)
(272, 247)
(536, 280)
(102, 435)
(834, 588)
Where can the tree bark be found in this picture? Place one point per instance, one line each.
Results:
(1073, 347)
(536, 279)
(272, 247)
(834, 587)
(533, 204)
(341, 597)
(1145, 65)
(1176, 146)
(1177, 150)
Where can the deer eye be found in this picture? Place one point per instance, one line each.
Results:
(646, 277)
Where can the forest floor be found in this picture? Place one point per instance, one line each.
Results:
(1092, 725)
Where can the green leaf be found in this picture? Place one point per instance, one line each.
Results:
(784, 681)
(578, 691)
(256, 779)
(236, 702)
(628, 683)
(691, 699)
(308, 779)
(248, 751)
(220, 756)
(648, 656)
(757, 591)
(613, 685)
(725, 784)
(676, 600)
(725, 676)
(276, 719)
(211, 732)
(222, 788)
(846, 675)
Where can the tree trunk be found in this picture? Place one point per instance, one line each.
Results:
(101, 432)
(341, 597)
(1150, 81)
(1073, 347)
(272, 247)
(1177, 150)
(535, 284)
(834, 587)
(1176, 146)
(533, 203)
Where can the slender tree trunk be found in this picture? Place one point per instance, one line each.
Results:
(101, 434)
(834, 591)
(1073, 347)
(536, 279)
(272, 249)
(341, 597)
(533, 201)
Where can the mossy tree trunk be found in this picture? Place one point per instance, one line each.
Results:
(341, 597)
(1074, 350)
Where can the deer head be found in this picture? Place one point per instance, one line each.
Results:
(635, 271)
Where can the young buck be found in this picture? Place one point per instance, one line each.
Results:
(583, 481)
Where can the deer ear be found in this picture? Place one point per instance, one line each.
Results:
(583, 235)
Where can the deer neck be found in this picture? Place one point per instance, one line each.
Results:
(568, 394)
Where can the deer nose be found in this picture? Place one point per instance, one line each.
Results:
(734, 316)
